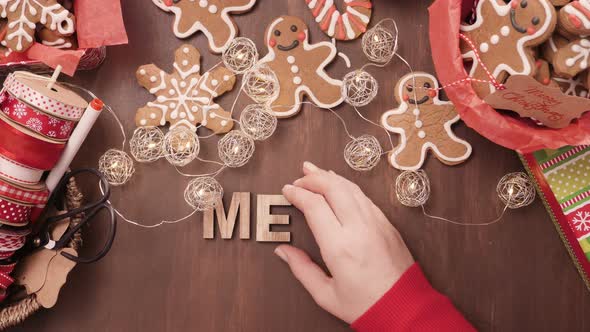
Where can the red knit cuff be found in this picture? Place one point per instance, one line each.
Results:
(412, 305)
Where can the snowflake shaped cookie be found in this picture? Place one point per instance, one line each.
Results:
(23, 16)
(212, 17)
(185, 97)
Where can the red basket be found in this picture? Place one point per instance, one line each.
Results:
(502, 129)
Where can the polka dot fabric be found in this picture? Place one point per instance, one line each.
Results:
(14, 214)
(42, 102)
(10, 243)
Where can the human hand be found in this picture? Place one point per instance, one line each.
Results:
(364, 253)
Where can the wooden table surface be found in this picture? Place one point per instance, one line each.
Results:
(512, 276)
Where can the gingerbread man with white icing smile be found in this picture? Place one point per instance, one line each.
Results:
(502, 37)
(299, 67)
(424, 123)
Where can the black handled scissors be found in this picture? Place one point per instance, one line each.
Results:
(42, 238)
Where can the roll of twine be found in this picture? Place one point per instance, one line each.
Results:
(33, 119)
(22, 146)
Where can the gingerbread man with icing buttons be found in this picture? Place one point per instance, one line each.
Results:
(424, 123)
(501, 39)
(299, 67)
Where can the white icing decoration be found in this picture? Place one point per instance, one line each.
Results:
(226, 78)
(183, 84)
(403, 108)
(503, 10)
(185, 62)
(484, 47)
(574, 11)
(143, 122)
(203, 3)
(162, 85)
(418, 124)
(214, 82)
(212, 9)
(505, 31)
(297, 80)
(271, 56)
(291, 59)
(142, 71)
(58, 43)
(171, 91)
(195, 69)
(582, 50)
(294, 69)
(199, 26)
(223, 122)
(364, 18)
(421, 134)
(495, 39)
(348, 28)
(152, 115)
(573, 85)
(416, 111)
(334, 20)
(324, 11)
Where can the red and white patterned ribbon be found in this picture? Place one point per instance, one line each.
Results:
(11, 242)
(36, 196)
(42, 102)
(14, 214)
(19, 173)
(37, 121)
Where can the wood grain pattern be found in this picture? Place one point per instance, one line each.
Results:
(240, 203)
(512, 276)
(265, 219)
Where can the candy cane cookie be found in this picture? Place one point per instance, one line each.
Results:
(342, 26)
(575, 17)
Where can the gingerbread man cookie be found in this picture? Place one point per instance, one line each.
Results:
(502, 36)
(23, 16)
(51, 38)
(424, 123)
(574, 18)
(212, 17)
(185, 97)
(347, 26)
(299, 67)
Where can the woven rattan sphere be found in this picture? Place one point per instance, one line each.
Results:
(363, 153)
(203, 193)
(258, 122)
(235, 148)
(146, 144)
(180, 146)
(516, 190)
(359, 88)
(117, 167)
(261, 84)
(412, 188)
(379, 43)
(240, 55)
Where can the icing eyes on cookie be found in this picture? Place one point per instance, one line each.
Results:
(524, 4)
(536, 20)
(277, 33)
(294, 28)
(409, 88)
(427, 85)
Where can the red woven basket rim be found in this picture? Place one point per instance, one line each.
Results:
(502, 129)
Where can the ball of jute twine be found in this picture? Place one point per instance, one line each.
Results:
(19, 310)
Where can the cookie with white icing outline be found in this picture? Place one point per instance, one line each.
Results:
(575, 18)
(23, 16)
(572, 59)
(299, 67)
(576, 86)
(212, 17)
(502, 36)
(551, 46)
(424, 123)
(185, 98)
(346, 25)
(51, 38)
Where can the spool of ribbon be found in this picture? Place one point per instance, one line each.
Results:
(17, 173)
(28, 149)
(35, 120)
(56, 101)
(36, 195)
(10, 242)
(13, 213)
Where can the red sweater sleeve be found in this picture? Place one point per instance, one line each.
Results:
(412, 305)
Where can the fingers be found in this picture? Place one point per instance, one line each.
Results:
(318, 215)
(341, 194)
(311, 276)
